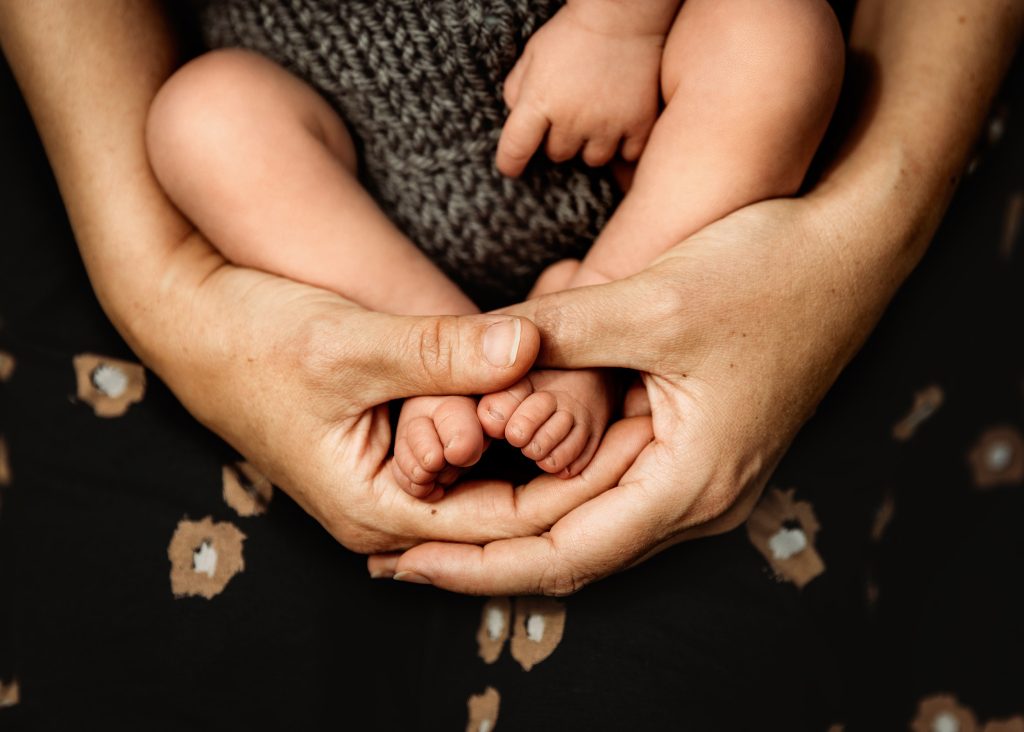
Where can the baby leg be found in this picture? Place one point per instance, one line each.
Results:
(749, 88)
(263, 166)
(267, 171)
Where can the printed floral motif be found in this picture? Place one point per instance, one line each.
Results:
(109, 385)
(246, 489)
(204, 557)
(783, 530)
(483, 710)
(997, 458)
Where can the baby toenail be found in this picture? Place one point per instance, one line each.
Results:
(495, 415)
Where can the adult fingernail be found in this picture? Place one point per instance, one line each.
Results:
(418, 579)
(501, 342)
(382, 566)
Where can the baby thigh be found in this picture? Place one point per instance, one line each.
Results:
(753, 84)
(749, 88)
(237, 143)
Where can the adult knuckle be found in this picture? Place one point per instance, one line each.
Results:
(434, 341)
(562, 580)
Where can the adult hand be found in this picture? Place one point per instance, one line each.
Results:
(298, 380)
(743, 329)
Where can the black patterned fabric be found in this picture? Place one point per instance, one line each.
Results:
(150, 579)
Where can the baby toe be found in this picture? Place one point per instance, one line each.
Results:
(566, 451)
(460, 432)
(535, 410)
(426, 448)
(495, 410)
(549, 435)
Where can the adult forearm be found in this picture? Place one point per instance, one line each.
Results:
(926, 73)
(88, 72)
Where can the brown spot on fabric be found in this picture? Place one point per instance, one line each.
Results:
(1013, 224)
(7, 364)
(495, 622)
(204, 557)
(926, 403)
(537, 629)
(997, 458)
(109, 385)
(837, 728)
(246, 489)
(943, 713)
(10, 693)
(1014, 724)
(882, 517)
(784, 530)
(5, 463)
(483, 710)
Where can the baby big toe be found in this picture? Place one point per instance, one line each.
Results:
(459, 429)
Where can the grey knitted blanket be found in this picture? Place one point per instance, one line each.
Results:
(418, 83)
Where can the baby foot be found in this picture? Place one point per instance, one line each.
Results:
(435, 437)
(557, 418)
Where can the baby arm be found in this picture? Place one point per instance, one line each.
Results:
(588, 79)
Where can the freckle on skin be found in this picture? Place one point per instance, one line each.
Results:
(433, 511)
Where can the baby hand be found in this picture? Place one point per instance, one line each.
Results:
(556, 417)
(585, 86)
(434, 438)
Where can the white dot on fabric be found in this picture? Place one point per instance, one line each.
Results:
(999, 456)
(535, 628)
(945, 722)
(110, 380)
(787, 542)
(204, 559)
(495, 623)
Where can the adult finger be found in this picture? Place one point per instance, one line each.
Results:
(611, 531)
(383, 357)
(630, 323)
(482, 511)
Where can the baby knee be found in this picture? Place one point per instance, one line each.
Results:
(203, 106)
(797, 43)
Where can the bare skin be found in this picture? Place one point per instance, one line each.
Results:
(268, 172)
(588, 83)
(747, 323)
(293, 376)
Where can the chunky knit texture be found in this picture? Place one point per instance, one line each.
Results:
(418, 82)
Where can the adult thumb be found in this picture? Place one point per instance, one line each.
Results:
(626, 324)
(447, 354)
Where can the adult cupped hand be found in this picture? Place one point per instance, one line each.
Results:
(299, 379)
(738, 333)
